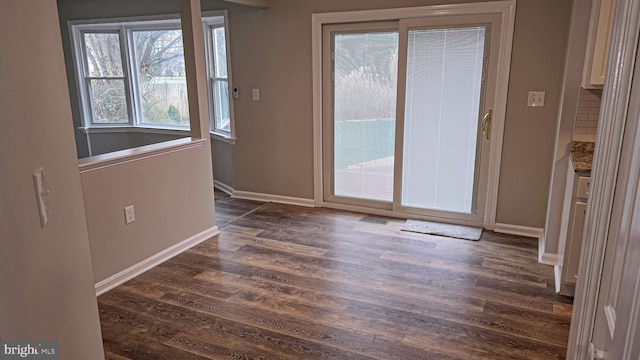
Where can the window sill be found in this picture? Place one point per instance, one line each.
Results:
(136, 129)
(223, 137)
(143, 152)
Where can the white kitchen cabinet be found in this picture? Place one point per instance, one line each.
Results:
(598, 43)
(572, 253)
(576, 224)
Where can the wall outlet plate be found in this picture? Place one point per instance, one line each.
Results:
(536, 98)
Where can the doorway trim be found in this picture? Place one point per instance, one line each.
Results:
(606, 161)
(506, 9)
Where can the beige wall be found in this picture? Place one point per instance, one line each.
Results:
(171, 192)
(102, 143)
(271, 51)
(100, 9)
(89, 9)
(576, 51)
(108, 142)
(173, 199)
(47, 282)
(221, 151)
(537, 63)
(222, 154)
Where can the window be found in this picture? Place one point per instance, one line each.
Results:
(105, 78)
(131, 73)
(218, 72)
(160, 77)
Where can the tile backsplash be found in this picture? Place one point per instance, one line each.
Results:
(587, 116)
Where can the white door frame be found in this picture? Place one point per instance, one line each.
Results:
(618, 309)
(329, 33)
(505, 8)
(487, 95)
(613, 118)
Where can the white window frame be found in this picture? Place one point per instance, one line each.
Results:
(84, 79)
(211, 20)
(84, 82)
(125, 27)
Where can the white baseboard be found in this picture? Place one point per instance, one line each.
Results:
(542, 242)
(557, 275)
(223, 187)
(273, 198)
(394, 214)
(153, 261)
(549, 259)
(538, 233)
(519, 230)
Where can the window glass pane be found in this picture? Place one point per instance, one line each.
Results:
(103, 55)
(220, 52)
(162, 85)
(365, 114)
(221, 105)
(109, 101)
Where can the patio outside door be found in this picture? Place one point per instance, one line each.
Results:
(406, 122)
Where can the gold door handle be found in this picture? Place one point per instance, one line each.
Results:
(486, 124)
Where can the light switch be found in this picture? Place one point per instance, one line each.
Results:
(129, 214)
(42, 195)
(256, 94)
(536, 98)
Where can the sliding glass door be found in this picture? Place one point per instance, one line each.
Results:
(406, 126)
(361, 121)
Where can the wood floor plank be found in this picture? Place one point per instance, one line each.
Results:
(562, 309)
(469, 269)
(229, 209)
(549, 328)
(285, 282)
(504, 325)
(242, 230)
(338, 330)
(473, 343)
(142, 340)
(170, 277)
(512, 266)
(508, 288)
(305, 296)
(199, 340)
(299, 263)
(111, 356)
(347, 296)
(237, 241)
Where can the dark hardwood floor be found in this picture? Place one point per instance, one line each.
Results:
(286, 282)
(229, 209)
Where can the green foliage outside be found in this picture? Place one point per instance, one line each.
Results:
(161, 79)
(174, 114)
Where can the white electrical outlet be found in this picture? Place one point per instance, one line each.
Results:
(256, 94)
(129, 214)
(536, 98)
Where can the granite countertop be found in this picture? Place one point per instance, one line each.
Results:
(582, 155)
